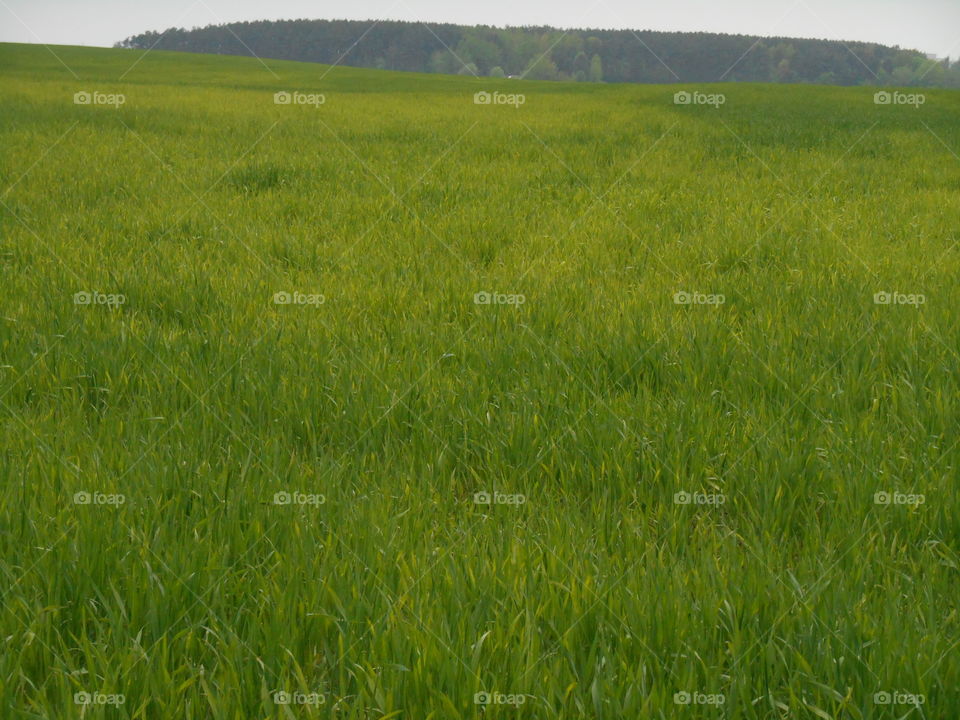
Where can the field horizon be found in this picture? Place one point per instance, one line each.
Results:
(339, 392)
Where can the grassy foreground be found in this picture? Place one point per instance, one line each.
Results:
(736, 503)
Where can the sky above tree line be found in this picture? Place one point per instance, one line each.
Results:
(931, 26)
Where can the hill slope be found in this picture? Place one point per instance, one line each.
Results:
(397, 405)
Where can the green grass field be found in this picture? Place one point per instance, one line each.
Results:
(736, 503)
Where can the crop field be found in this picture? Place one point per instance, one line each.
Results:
(442, 398)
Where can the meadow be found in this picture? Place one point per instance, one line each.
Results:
(392, 402)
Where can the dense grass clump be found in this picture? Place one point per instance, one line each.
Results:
(263, 365)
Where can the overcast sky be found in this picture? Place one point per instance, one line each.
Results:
(932, 26)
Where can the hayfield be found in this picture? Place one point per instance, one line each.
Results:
(391, 402)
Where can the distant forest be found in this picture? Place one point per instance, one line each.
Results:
(544, 53)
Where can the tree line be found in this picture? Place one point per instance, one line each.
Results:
(545, 53)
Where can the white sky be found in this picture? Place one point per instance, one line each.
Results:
(932, 26)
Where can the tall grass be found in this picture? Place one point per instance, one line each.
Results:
(189, 408)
